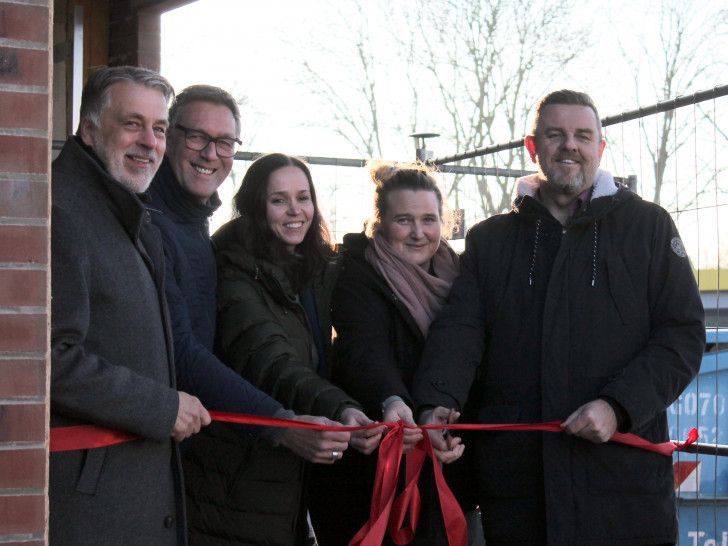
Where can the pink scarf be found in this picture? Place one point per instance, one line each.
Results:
(422, 293)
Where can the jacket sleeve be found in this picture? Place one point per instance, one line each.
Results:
(198, 371)
(673, 352)
(85, 385)
(365, 363)
(456, 339)
(255, 344)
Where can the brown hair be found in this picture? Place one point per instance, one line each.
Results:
(260, 241)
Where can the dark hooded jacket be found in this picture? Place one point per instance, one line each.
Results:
(111, 363)
(191, 290)
(545, 318)
(253, 493)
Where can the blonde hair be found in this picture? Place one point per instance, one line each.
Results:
(389, 176)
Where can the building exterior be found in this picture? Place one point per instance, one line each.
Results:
(41, 75)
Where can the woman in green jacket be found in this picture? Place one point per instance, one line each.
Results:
(276, 272)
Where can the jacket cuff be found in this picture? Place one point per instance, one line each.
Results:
(624, 423)
(273, 435)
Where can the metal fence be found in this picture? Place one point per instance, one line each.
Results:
(674, 152)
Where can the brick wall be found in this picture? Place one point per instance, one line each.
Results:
(134, 37)
(25, 88)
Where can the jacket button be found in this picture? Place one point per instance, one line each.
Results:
(168, 522)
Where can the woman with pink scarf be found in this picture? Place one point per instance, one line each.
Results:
(394, 279)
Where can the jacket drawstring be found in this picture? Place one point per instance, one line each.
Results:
(535, 249)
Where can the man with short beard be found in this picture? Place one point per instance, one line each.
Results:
(111, 343)
(580, 306)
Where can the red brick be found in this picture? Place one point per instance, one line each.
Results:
(22, 423)
(24, 244)
(24, 66)
(150, 42)
(23, 154)
(22, 515)
(22, 378)
(119, 10)
(23, 198)
(22, 22)
(24, 110)
(153, 61)
(121, 45)
(23, 333)
(22, 468)
(123, 27)
(150, 22)
(20, 287)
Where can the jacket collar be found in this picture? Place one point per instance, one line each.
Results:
(231, 255)
(167, 194)
(128, 207)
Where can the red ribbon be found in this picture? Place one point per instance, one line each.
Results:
(386, 513)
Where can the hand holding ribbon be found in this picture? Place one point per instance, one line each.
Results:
(386, 513)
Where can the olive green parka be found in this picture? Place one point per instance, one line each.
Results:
(242, 493)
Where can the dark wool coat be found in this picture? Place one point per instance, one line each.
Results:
(241, 493)
(111, 363)
(191, 288)
(545, 318)
(377, 347)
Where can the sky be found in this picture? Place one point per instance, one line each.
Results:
(255, 49)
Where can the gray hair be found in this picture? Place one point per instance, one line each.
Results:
(95, 95)
(205, 93)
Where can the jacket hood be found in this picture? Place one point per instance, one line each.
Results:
(168, 195)
(606, 196)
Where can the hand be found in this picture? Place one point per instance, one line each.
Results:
(191, 416)
(399, 411)
(594, 421)
(447, 449)
(316, 446)
(366, 440)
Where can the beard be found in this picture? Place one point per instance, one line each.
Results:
(560, 183)
(113, 160)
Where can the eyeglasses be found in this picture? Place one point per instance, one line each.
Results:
(199, 140)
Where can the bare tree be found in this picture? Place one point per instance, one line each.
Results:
(472, 69)
(678, 53)
(345, 79)
(490, 61)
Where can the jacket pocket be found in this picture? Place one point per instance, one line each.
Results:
(91, 470)
(620, 469)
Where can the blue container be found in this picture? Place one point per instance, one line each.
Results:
(702, 480)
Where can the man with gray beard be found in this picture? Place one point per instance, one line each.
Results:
(578, 306)
(111, 340)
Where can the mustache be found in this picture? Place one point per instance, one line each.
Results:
(571, 157)
(144, 154)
